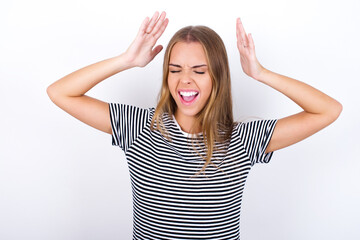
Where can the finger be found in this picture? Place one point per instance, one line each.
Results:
(152, 22)
(159, 23)
(242, 33)
(162, 28)
(144, 25)
(238, 36)
(251, 42)
(237, 29)
(240, 40)
(156, 51)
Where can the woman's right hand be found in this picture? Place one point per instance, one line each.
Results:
(141, 50)
(69, 92)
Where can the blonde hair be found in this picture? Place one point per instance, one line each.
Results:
(216, 118)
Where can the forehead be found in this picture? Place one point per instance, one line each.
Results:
(188, 54)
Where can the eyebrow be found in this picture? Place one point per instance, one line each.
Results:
(196, 66)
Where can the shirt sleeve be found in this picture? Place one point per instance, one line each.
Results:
(127, 122)
(255, 136)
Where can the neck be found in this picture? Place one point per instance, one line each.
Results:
(187, 124)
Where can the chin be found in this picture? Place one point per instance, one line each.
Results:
(189, 112)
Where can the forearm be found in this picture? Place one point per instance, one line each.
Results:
(68, 93)
(308, 98)
(76, 84)
(320, 110)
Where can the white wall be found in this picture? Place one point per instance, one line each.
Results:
(60, 179)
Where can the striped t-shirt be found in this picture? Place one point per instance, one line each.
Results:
(169, 200)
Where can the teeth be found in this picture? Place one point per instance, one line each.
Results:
(188, 94)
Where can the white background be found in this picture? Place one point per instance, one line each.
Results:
(62, 180)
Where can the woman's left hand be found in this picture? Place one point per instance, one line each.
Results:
(245, 44)
(320, 110)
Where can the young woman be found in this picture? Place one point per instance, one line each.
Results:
(188, 159)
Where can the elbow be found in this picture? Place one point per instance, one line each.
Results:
(335, 111)
(50, 92)
(53, 93)
(338, 109)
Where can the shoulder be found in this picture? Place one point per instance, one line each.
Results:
(254, 127)
(120, 111)
(129, 108)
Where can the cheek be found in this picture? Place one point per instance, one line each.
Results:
(207, 87)
(171, 85)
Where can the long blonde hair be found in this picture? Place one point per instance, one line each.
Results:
(216, 118)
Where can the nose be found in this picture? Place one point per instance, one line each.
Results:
(186, 81)
(185, 77)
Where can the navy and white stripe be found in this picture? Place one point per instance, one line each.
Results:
(169, 201)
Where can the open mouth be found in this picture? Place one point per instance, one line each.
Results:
(188, 97)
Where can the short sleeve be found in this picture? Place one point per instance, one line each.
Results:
(127, 122)
(255, 136)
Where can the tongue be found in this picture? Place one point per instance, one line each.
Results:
(188, 98)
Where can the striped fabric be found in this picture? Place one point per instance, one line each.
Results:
(169, 201)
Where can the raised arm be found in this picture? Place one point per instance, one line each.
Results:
(68, 93)
(320, 110)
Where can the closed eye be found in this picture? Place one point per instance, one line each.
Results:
(197, 72)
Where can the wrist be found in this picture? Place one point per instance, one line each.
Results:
(262, 75)
(124, 62)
